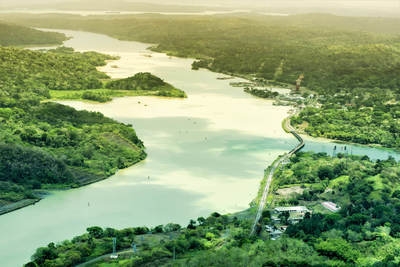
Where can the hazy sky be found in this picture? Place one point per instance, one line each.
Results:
(359, 3)
(230, 2)
(368, 7)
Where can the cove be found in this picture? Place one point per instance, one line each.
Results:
(206, 153)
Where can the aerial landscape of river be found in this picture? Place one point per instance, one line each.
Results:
(206, 153)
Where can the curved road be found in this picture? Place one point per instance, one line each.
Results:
(261, 205)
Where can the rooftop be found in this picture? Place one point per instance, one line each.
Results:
(330, 206)
(292, 209)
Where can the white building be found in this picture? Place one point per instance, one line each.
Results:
(297, 209)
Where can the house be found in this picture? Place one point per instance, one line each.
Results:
(273, 232)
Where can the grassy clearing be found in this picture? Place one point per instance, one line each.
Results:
(339, 182)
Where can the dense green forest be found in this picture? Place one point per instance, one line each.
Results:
(332, 52)
(365, 116)
(11, 34)
(364, 232)
(26, 72)
(47, 145)
(32, 75)
(366, 229)
(351, 63)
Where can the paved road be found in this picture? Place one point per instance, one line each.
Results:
(104, 257)
(265, 192)
(271, 175)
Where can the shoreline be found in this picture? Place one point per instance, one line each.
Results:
(285, 125)
(28, 201)
(270, 169)
(288, 128)
(18, 205)
(327, 140)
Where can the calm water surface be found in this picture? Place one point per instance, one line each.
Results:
(205, 153)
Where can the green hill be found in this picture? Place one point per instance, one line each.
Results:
(141, 81)
(145, 82)
(11, 34)
(48, 145)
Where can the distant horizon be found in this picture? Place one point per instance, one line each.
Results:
(389, 8)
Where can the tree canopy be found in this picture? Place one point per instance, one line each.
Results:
(12, 34)
(46, 145)
(331, 52)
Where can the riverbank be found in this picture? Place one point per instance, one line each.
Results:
(197, 145)
(287, 126)
(209, 110)
(18, 205)
(42, 193)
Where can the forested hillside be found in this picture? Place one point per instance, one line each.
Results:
(332, 52)
(359, 115)
(145, 82)
(24, 71)
(48, 145)
(351, 63)
(365, 230)
(11, 34)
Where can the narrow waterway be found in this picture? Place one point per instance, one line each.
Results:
(205, 153)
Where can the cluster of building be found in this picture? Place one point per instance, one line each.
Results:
(294, 214)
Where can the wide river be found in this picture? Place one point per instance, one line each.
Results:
(206, 153)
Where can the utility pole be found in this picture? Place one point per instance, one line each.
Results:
(114, 254)
(114, 239)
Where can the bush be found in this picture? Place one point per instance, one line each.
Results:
(96, 96)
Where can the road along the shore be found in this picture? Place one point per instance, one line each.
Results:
(288, 128)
